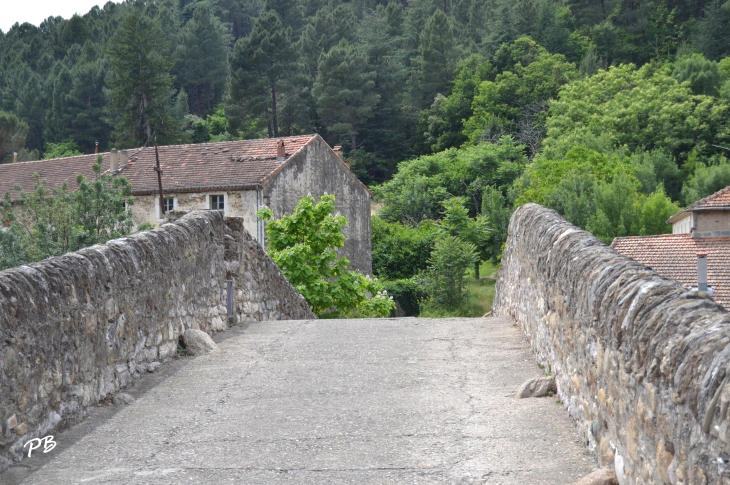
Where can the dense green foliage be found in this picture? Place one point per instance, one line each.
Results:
(409, 293)
(616, 151)
(401, 251)
(54, 222)
(385, 79)
(304, 245)
(614, 113)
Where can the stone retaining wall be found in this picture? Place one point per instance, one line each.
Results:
(641, 363)
(77, 328)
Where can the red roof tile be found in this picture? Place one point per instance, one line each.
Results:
(675, 256)
(720, 199)
(204, 166)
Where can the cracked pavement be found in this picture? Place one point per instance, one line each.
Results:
(384, 401)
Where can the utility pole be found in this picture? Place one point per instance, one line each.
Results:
(159, 179)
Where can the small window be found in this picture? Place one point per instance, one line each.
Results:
(217, 202)
(169, 204)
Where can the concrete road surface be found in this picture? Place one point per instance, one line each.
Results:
(411, 401)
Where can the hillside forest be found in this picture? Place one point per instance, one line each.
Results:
(616, 113)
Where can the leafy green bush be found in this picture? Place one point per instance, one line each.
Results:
(67, 148)
(409, 293)
(304, 245)
(54, 222)
(417, 191)
(448, 264)
(706, 181)
(401, 251)
(476, 231)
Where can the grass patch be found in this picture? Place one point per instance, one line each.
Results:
(479, 295)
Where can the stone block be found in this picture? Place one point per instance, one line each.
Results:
(198, 342)
(10, 425)
(122, 399)
(603, 476)
(21, 429)
(537, 387)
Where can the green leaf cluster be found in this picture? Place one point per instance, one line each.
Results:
(401, 251)
(44, 222)
(304, 245)
(417, 191)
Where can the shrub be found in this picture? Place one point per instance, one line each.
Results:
(304, 245)
(409, 293)
(401, 251)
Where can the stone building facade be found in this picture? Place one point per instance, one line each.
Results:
(237, 177)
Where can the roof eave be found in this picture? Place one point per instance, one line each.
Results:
(197, 188)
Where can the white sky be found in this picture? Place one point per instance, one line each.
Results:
(36, 11)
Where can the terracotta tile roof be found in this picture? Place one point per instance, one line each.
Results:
(720, 199)
(675, 256)
(199, 167)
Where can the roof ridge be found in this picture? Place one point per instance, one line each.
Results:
(678, 234)
(49, 159)
(222, 142)
(709, 198)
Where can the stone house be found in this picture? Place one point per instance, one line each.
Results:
(697, 253)
(237, 177)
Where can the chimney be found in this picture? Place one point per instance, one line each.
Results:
(280, 151)
(702, 272)
(113, 160)
(338, 151)
(123, 158)
(96, 147)
(15, 157)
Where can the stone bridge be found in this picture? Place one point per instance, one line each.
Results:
(641, 364)
(329, 401)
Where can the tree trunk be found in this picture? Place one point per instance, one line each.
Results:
(273, 111)
(476, 270)
(145, 118)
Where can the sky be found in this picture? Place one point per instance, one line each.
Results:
(36, 11)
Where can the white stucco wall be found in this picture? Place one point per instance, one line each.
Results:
(237, 204)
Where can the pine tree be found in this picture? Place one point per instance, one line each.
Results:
(57, 126)
(30, 106)
(387, 130)
(202, 59)
(290, 13)
(437, 59)
(87, 94)
(260, 65)
(328, 27)
(12, 134)
(140, 83)
(525, 16)
(712, 33)
(344, 90)
(591, 12)
(239, 14)
(502, 28)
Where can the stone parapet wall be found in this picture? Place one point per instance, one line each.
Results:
(76, 328)
(641, 363)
